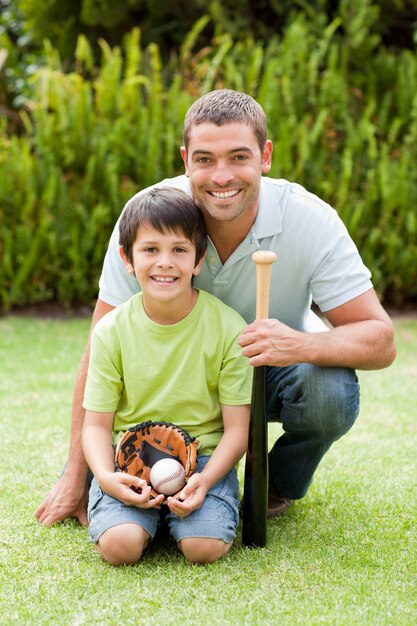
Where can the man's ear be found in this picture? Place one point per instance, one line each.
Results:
(197, 268)
(129, 267)
(184, 158)
(267, 156)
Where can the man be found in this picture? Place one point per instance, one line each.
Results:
(312, 388)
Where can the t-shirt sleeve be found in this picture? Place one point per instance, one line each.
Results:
(337, 272)
(235, 381)
(104, 379)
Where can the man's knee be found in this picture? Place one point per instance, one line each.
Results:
(123, 544)
(203, 550)
(321, 399)
(331, 398)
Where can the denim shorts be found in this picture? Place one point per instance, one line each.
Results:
(217, 518)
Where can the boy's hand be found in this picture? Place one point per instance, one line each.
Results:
(119, 485)
(191, 497)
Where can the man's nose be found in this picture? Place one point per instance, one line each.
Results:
(222, 174)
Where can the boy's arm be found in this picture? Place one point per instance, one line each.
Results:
(98, 452)
(230, 449)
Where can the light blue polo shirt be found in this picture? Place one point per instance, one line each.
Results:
(316, 259)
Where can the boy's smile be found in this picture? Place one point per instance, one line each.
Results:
(164, 264)
(164, 279)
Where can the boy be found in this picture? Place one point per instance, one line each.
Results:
(170, 353)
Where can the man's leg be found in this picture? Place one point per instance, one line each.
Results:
(316, 406)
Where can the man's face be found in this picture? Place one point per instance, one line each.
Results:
(225, 164)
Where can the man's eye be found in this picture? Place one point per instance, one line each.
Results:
(203, 160)
(240, 157)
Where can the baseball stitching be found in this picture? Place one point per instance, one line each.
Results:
(167, 479)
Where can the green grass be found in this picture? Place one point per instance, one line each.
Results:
(346, 554)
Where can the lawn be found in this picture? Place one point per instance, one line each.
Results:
(346, 554)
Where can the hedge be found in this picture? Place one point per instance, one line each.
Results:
(342, 113)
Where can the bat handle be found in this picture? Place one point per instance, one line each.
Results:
(263, 260)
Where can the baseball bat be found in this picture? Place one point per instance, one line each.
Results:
(255, 496)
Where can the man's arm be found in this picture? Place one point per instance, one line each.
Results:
(361, 337)
(68, 497)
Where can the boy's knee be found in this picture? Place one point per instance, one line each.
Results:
(123, 544)
(203, 550)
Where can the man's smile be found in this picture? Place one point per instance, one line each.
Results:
(224, 194)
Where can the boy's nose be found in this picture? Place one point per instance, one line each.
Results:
(165, 260)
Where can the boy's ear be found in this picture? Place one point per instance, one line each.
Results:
(129, 267)
(197, 268)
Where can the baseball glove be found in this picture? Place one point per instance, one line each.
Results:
(148, 442)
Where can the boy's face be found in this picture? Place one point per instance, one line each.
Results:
(163, 263)
(225, 165)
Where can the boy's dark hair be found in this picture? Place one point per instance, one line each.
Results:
(225, 106)
(164, 209)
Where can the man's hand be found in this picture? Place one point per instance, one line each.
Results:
(66, 499)
(361, 337)
(191, 497)
(269, 342)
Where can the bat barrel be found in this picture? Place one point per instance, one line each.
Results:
(255, 500)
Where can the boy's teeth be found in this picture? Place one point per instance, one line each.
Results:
(225, 194)
(164, 279)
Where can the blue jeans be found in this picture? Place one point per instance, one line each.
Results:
(217, 517)
(316, 406)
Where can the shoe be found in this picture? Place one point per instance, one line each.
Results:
(277, 505)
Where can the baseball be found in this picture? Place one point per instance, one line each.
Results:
(167, 476)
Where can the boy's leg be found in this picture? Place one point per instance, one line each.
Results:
(203, 550)
(121, 533)
(207, 534)
(316, 406)
(123, 544)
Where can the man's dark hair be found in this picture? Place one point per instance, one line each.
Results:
(225, 106)
(166, 210)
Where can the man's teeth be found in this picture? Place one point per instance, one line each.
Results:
(225, 194)
(164, 279)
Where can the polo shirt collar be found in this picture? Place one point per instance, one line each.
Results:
(268, 221)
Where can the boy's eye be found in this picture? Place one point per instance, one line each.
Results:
(151, 249)
(180, 249)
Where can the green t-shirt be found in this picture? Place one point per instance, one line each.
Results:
(177, 373)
